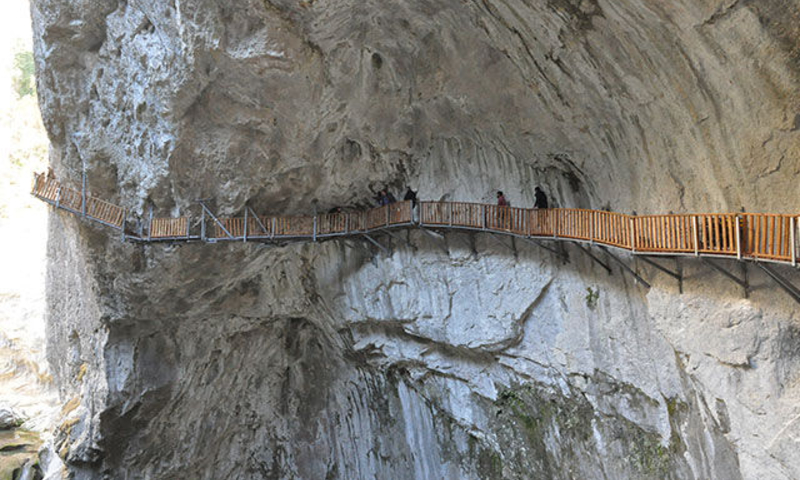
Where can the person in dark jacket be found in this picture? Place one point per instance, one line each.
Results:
(541, 198)
(410, 195)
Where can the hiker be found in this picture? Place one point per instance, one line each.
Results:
(541, 198)
(382, 198)
(501, 200)
(389, 197)
(411, 195)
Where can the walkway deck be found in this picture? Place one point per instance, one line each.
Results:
(757, 237)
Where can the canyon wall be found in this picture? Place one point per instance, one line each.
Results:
(466, 356)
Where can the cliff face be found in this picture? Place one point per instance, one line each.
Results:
(447, 358)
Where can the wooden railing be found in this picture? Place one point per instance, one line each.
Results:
(757, 236)
(169, 228)
(52, 191)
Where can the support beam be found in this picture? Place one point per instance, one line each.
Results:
(626, 267)
(591, 255)
(214, 217)
(439, 237)
(398, 237)
(785, 284)
(258, 220)
(715, 266)
(551, 250)
(374, 242)
(497, 239)
(675, 275)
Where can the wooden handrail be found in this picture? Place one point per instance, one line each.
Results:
(755, 236)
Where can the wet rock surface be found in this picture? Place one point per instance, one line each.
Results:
(456, 357)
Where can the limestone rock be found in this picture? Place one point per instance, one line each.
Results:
(445, 358)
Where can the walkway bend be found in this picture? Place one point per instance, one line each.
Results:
(758, 237)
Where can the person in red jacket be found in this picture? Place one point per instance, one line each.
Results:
(501, 200)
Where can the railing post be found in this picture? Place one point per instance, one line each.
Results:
(347, 223)
(188, 227)
(793, 239)
(83, 193)
(150, 225)
(737, 226)
(58, 197)
(245, 225)
(203, 225)
(696, 234)
(591, 227)
(124, 216)
(450, 215)
(274, 227)
(388, 213)
(555, 222)
(483, 217)
(314, 236)
(632, 226)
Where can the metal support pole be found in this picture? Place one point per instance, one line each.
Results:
(83, 190)
(782, 282)
(258, 221)
(150, 225)
(274, 227)
(591, 227)
(388, 214)
(483, 217)
(214, 217)
(560, 255)
(740, 282)
(627, 268)
(58, 197)
(124, 215)
(347, 223)
(793, 239)
(245, 226)
(314, 236)
(590, 255)
(632, 221)
(669, 272)
(372, 241)
(203, 225)
(738, 224)
(696, 234)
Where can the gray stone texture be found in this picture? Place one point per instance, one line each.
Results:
(459, 358)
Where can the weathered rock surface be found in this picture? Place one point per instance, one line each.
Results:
(459, 358)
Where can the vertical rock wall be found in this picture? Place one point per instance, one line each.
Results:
(451, 358)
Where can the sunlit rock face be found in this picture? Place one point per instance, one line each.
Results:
(466, 356)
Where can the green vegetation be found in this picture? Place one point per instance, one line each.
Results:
(24, 80)
(592, 296)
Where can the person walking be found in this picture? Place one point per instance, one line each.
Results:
(501, 200)
(410, 195)
(540, 198)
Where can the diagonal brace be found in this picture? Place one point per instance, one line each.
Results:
(258, 220)
(545, 247)
(626, 267)
(728, 274)
(497, 239)
(589, 253)
(214, 217)
(666, 270)
(374, 242)
(781, 281)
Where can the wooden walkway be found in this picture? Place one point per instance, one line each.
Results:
(758, 237)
